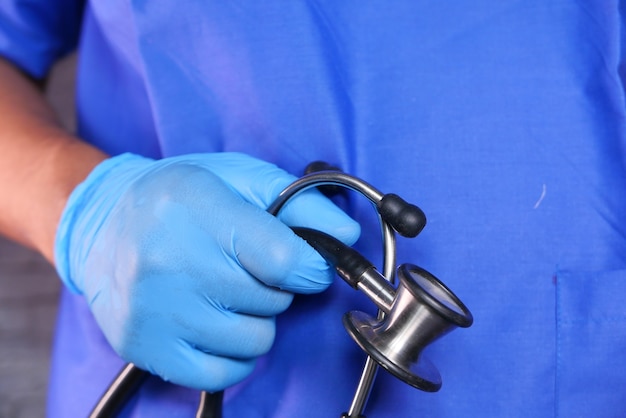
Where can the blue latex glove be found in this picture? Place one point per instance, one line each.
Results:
(182, 267)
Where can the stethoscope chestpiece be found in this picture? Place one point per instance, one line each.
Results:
(423, 310)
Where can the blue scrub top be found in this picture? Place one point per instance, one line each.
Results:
(502, 120)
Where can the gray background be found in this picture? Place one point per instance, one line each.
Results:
(29, 291)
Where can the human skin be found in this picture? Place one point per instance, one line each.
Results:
(40, 163)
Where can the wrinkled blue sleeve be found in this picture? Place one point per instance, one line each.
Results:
(35, 33)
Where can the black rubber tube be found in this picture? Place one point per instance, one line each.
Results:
(348, 262)
(119, 391)
(126, 384)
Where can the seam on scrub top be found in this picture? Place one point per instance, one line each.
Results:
(557, 342)
(598, 319)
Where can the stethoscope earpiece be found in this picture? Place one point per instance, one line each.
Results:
(405, 218)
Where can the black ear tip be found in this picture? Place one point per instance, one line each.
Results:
(407, 219)
(414, 222)
(317, 166)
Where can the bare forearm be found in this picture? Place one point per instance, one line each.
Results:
(40, 163)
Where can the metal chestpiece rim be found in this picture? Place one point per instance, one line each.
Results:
(423, 310)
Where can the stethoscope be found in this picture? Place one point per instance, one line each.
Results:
(410, 316)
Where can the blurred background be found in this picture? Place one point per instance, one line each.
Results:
(29, 291)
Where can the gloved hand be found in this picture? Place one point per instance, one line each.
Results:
(182, 267)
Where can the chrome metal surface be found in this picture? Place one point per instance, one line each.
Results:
(422, 311)
(377, 289)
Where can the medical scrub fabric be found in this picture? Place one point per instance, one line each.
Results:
(502, 120)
